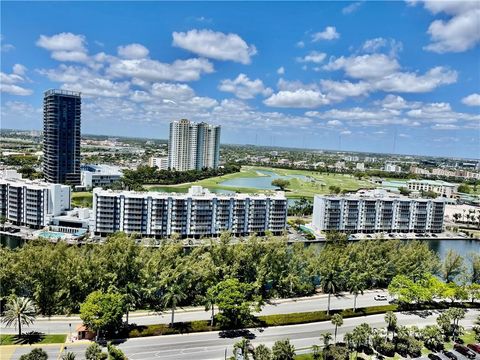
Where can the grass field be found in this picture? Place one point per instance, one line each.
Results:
(37, 339)
(82, 199)
(317, 183)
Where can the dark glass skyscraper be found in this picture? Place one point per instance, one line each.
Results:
(61, 136)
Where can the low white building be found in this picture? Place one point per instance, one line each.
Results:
(442, 188)
(99, 175)
(392, 168)
(360, 167)
(160, 162)
(370, 211)
(32, 203)
(193, 214)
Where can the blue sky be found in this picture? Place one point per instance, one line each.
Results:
(310, 74)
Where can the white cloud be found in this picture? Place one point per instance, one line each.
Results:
(330, 33)
(460, 31)
(313, 57)
(472, 100)
(5, 47)
(300, 44)
(9, 82)
(99, 87)
(351, 8)
(339, 90)
(394, 102)
(444, 127)
(215, 45)
(377, 44)
(281, 70)
(301, 98)
(244, 88)
(334, 123)
(62, 42)
(152, 70)
(364, 66)
(133, 51)
(283, 84)
(174, 92)
(345, 132)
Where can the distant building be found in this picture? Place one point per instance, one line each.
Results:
(419, 171)
(61, 136)
(442, 188)
(351, 158)
(392, 168)
(360, 167)
(99, 175)
(443, 172)
(377, 211)
(160, 162)
(32, 203)
(193, 146)
(194, 214)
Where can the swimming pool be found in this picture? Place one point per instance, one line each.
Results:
(51, 234)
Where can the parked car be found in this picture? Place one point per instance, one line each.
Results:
(434, 357)
(450, 355)
(465, 351)
(380, 297)
(474, 347)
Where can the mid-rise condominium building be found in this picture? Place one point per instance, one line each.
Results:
(193, 146)
(99, 175)
(61, 136)
(441, 188)
(377, 211)
(193, 214)
(160, 162)
(32, 203)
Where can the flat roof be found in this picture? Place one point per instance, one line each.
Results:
(431, 182)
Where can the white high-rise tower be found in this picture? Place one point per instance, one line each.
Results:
(193, 146)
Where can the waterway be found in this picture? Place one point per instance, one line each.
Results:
(261, 182)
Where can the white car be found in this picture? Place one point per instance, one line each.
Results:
(379, 297)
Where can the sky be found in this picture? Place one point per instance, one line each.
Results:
(394, 77)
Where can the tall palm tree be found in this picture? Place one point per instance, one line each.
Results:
(391, 320)
(69, 356)
(326, 337)
(337, 320)
(209, 301)
(329, 284)
(172, 297)
(19, 311)
(356, 285)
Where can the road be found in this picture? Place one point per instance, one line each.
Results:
(210, 346)
(316, 303)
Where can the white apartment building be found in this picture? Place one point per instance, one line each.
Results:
(442, 188)
(193, 146)
(32, 203)
(377, 211)
(160, 162)
(99, 175)
(193, 214)
(392, 168)
(360, 166)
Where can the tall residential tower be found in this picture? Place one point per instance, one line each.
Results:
(61, 136)
(193, 146)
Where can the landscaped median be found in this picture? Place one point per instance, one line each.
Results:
(287, 319)
(28, 339)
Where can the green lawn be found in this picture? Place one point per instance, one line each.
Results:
(35, 339)
(317, 183)
(82, 199)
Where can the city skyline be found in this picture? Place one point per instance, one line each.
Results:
(326, 79)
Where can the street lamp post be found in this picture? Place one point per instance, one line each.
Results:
(70, 326)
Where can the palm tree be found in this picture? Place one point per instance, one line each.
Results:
(356, 285)
(326, 337)
(172, 297)
(19, 311)
(68, 356)
(391, 320)
(337, 320)
(210, 299)
(329, 284)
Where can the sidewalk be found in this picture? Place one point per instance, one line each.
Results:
(201, 309)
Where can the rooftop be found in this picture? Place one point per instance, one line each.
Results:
(102, 169)
(62, 92)
(431, 182)
(375, 194)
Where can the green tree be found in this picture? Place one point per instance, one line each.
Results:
(281, 183)
(432, 337)
(19, 311)
(283, 350)
(329, 283)
(94, 352)
(356, 286)
(262, 352)
(243, 348)
(337, 320)
(404, 191)
(326, 338)
(102, 311)
(391, 320)
(234, 301)
(115, 353)
(172, 297)
(316, 352)
(209, 301)
(69, 356)
(464, 188)
(35, 354)
(452, 265)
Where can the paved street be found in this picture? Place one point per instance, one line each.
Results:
(203, 346)
(56, 326)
